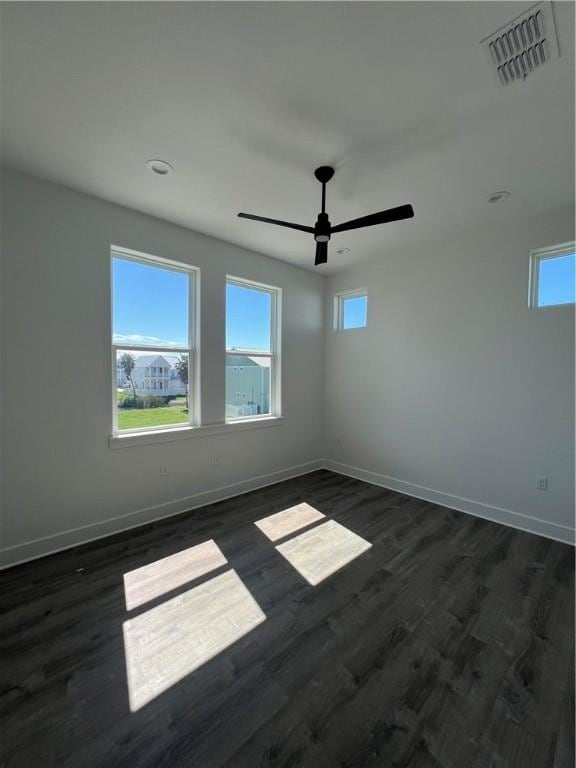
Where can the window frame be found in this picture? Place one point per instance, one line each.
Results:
(536, 257)
(339, 299)
(192, 350)
(275, 348)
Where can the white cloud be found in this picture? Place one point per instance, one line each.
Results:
(149, 341)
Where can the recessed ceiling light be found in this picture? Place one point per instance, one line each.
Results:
(497, 197)
(343, 250)
(160, 167)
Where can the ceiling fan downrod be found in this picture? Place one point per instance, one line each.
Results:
(323, 227)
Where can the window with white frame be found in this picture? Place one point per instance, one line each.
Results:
(154, 346)
(552, 276)
(351, 310)
(252, 350)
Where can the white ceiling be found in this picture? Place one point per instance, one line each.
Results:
(246, 99)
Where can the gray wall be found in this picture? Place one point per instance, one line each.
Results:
(457, 391)
(62, 480)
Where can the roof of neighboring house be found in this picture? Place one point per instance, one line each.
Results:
(143, 361)
(247, 361)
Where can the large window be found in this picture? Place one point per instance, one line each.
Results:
(552, 277)
(351, 310)
(153, 343)
(252, 350)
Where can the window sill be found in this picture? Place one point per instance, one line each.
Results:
(185, 433)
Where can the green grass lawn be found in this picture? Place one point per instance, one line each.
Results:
(136, 418)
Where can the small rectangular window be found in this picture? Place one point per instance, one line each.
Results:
(153, 337)
(351, 310)
(252, 350)
(552, 276)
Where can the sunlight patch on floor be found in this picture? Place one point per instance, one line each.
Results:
(288, 521)
(320, 552)
(159, 578)
(173, 639)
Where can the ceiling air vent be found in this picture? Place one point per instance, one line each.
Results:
(523, 45)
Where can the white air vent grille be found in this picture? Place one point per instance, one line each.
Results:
(525, 44)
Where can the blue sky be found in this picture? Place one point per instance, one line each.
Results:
(247, 318)
(151, 308)
(556, 281)
(355, 312)
(150, 305)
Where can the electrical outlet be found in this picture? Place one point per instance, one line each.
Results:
(541, 482)
(163, 471)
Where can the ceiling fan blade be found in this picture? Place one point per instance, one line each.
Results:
(288, 224)
(321, 254)
(383, 217)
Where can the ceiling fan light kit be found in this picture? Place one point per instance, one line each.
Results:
(323, 229)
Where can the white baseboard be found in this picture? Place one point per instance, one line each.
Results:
(517, 520)
(49, 545)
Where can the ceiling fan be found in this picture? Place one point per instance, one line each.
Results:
(323, 230)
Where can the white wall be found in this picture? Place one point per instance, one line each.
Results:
(457, 391)
(59, 471)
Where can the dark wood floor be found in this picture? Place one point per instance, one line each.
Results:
(448, 644)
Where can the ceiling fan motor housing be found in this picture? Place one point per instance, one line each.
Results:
(322, 228)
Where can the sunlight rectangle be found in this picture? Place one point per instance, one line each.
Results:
(158, 578)
(173, 639)
(289, 520)
(320, 552)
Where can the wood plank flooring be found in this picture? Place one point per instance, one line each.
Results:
(446, 643)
